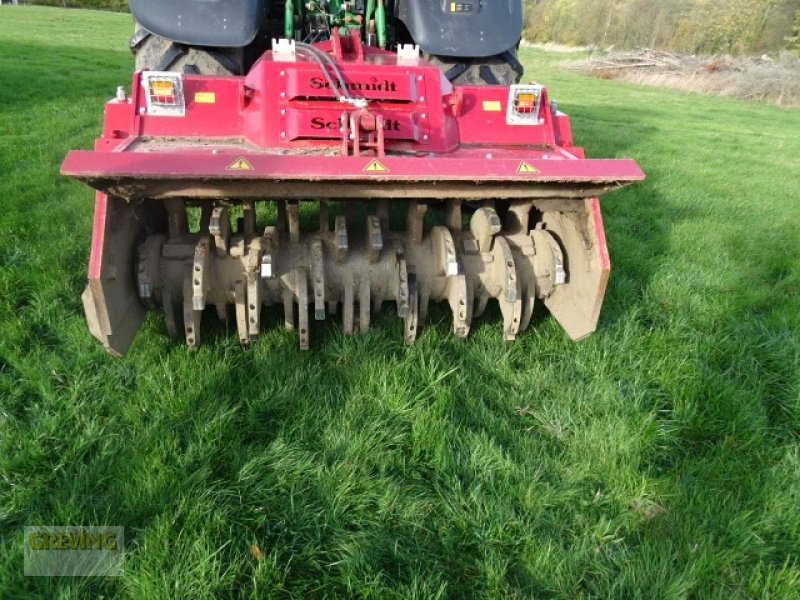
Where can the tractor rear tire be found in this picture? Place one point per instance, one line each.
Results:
(500, 69)
(155, 53)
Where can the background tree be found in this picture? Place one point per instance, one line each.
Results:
(695, 26)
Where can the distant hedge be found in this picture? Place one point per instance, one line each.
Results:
(118, 5)
(688, 26)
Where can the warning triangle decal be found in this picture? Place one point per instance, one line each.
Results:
(375, 165)
(525, 167)
(240, 164)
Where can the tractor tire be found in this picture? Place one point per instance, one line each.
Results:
(155, 53)
(501, 69)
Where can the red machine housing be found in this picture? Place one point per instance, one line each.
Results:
(282, 132)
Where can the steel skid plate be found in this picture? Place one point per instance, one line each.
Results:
(466, 174)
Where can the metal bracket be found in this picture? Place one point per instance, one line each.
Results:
(407, 53)
(284, 50)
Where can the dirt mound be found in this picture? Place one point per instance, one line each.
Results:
(762, 79)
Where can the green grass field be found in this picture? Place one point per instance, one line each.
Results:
(660, 458)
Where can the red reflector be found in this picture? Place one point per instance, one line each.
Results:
(526, 103)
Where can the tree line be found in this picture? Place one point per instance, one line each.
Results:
(691, 26)
(119, 5)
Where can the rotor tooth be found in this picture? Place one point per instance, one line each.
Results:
(280, 221)
(199, 276)
(288, 309)
(270, 240)
(267, 260)
(402, 281)
(382, 211)
(469, 244)
(302, 306)
(240, 302)
(347, 307)
(253, 307)
(351, 210)
(548, 262)
(512, 316)
(415, 221)
(220, 228)
(148, 273)
(172, 312)
(422, 306)
(177, 223)
(191, 317)
(222, 311)
(480, 306)
(324, 216)
(517, 217)
(419, 292)
(205, 215)
(452, 219)
(459, 300)
(143, 281)
(456, 281)
(363, 306)
(470, 299)
(249, 219)
(374, 238)
(510, 301)
(319, 279)
(528, 303)
(411, 320)
(505, 262)
(445, 250)
(340, 239)
(484, 225)
(293, 221)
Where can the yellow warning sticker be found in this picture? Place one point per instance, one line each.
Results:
(492, 106)
(375, 165)
(240, 164)
(525, 167)
(205, 98)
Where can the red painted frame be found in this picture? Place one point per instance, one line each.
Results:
(272, 117)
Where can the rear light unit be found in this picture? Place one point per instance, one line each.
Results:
(164, 93)
(524, 102)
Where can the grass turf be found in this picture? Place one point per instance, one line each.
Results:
(657, 459)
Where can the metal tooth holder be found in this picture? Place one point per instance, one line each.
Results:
(323, 269)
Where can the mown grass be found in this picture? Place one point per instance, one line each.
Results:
(657, 459)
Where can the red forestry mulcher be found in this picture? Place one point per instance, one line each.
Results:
(186, 162)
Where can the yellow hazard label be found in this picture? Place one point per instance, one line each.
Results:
(205, 98)
(240, 164)
(525, 167)
(492, 106)
(460, 7)
(375, 165)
